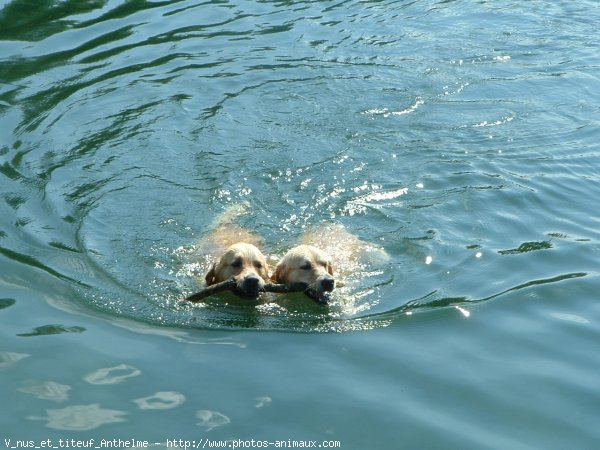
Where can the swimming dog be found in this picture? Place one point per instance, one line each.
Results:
(323, 250)
(235, 253)
(310, 265)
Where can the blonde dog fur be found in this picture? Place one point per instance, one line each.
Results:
(308, 264)
(328, 256)
(236, 254)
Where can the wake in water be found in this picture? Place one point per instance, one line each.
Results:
(359, 268)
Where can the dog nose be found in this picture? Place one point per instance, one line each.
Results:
(328, 284)
(251, 282)
(251, 285)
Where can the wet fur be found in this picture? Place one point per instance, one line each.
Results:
(307, 264)
(236, 254)
(324, 247)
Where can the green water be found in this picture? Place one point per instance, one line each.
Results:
(460, 137)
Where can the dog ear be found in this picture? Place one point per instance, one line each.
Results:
(330, 268)
(278, 274)
(210, 276)
(275, 275)
(264, 273)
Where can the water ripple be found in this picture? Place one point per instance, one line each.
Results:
(132, 125)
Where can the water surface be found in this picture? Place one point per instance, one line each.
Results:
(460, 137)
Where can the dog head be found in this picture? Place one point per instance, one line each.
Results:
(246, 264)
(307, 264)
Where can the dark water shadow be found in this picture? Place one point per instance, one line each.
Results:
(527, 247)
(429, 302)
(52, 329)
(6, 302)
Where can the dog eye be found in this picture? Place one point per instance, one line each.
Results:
(237, 263)
(258, 264)
(306, 266)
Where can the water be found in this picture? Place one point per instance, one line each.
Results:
(460, 137)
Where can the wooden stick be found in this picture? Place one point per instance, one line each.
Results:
(231, 285)
(285, 288)
(227, 285)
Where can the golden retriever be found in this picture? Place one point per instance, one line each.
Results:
(246, 264)
(307, 264)
(322, 248)
(234, 252)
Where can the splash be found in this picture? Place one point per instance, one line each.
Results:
(386, 112)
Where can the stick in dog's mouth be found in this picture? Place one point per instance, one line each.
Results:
(322, 298)
(246, 295)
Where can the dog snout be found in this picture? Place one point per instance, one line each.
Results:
(251, 285)
(328, 284)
